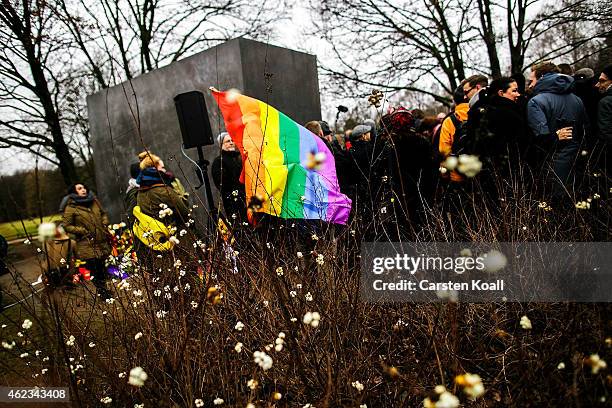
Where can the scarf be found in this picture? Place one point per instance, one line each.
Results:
(151, 176)
(84, 201)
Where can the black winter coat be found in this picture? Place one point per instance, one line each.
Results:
(226, 169)
(604, 121)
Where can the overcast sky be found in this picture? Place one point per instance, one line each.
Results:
(288, 34)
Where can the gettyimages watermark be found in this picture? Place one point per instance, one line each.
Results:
(487, 272)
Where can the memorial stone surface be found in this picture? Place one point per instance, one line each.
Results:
(128, 117)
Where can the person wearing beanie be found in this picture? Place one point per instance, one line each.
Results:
(226, 170)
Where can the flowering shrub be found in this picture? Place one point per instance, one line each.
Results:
(276, 318)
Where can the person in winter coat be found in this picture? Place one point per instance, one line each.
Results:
(226, 170)
(503, 130)
(604, 116)
(87, 221)
(410, 168)
(58, 257)
(558, 120)
(151, 162)
(157, 187)
(359, 177)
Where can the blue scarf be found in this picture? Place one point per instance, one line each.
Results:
(151, 176)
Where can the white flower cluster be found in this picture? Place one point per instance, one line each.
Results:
(218, 401)
(238, 347)
(320, 259)
(583, 205)
(263, 360)
(70, 341)
(106, 400)
(165, 211)
(357, 385)
(525, 323)
(279, 342)
(445, 399)
(252, 384)
(239, 326)
(472, 385)
(312, 319)
(46, 231)
(466, 164)
(279, 271)
(494, 261)
(137, 377)
(7, 345)
(27, 323)
(596, 363)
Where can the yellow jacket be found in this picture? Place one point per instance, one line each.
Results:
(447, 135)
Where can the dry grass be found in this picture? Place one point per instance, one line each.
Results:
(398, 352)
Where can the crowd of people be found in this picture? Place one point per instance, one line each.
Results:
(542, 130)
(496, 132)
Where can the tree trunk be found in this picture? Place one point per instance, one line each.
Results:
(488, 35)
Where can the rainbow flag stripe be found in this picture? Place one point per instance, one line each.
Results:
(275, 162)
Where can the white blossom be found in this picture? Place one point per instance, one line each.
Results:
(263, 360)
(312, 319)
(137, 377)
(27, 323)
(525, 323)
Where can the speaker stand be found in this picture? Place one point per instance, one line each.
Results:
(202, 173)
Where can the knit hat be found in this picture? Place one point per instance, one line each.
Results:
(359, 131)
(608, 71)
(221, 137)
(584, 73)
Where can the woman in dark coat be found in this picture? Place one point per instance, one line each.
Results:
(85, 218)
(226, 169)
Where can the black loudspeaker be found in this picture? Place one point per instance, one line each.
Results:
(193, 118)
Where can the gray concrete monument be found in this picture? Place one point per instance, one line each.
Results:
(141, 113)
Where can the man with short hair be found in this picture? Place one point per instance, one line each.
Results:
(558, 121)
(604, 119)
(472, 87)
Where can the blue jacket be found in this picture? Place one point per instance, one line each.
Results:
(553, 107)
(553, 104)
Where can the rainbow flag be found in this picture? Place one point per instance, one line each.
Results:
(277, 165)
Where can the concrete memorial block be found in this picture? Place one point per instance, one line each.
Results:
(128, 117)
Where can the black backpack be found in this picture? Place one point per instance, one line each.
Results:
(471, 135)
(435, 141)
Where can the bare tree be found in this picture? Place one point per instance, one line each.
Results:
(29, 91)
(55, 52)
(396, 45)
(428, 46)
(123, 38)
